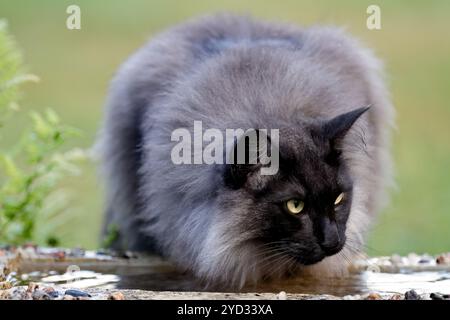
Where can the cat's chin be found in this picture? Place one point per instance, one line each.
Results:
(318, 257)
(309, 261)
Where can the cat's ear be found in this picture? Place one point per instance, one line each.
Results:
(333, 130)
(244, 157)
(338, 127)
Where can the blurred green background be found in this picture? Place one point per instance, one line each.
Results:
(75, 67)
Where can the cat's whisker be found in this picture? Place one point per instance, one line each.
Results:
(357, 245)
(281, 262)
(270, 257)
(266, 254)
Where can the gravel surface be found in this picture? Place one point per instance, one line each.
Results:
(33, 273)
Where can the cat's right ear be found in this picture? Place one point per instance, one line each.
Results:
(334, 130)
(338, 127)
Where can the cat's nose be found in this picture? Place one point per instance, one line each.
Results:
(332, 242)
(331, 248)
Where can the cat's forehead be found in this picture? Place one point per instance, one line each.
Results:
(305, 159)
(298, 144)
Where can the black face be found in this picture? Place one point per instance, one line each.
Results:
(306, 207)
(302, 211)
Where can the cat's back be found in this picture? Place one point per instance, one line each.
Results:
(324, 55)
(180, 50)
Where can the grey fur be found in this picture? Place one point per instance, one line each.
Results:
(233, 72)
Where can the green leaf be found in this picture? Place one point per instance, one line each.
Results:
(52, 117)
(40, 126)
(32, 169)
(10, 167)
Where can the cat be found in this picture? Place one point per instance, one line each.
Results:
(226, 223)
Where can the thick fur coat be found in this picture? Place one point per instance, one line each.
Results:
(235, 72)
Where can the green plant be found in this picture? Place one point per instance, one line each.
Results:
(31, 169)
(112, 234)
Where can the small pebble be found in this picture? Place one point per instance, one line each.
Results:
(348, 297)
(413, 258)
(17, 294)
(5, 285)
(24, 277)
(59, 255)
(282, 295)
(396, 259)
(443, 259)
(40, 295)
(436, 296)
(30, 245)
(116, 296)
(34, 274)
(373, 296)
(397, 296)
(412, 295)
(4, 295)
(77, 252)
(76, 293)
(32, 286)
(51, 292)
(102, 252)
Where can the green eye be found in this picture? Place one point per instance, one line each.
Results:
(294, 206)
(339, 199)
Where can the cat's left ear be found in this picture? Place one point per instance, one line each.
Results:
(335, 129)
(246, 157)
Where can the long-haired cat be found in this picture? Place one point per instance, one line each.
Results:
(228, 223)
